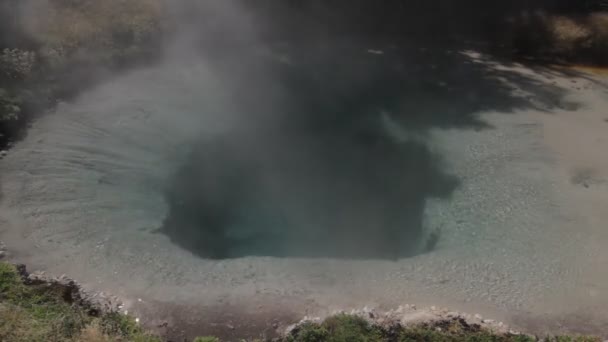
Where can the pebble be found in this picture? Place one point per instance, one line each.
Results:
(488, 321)
(478, 316)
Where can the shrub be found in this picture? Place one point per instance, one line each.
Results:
(40, 313)
(16, 63)
(340, 328)
(10, 106)
(568, 35)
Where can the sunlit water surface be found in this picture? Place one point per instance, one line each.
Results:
(414, 175)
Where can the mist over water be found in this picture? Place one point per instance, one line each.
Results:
(337, 169)
(328, 153)
(343, 190)
(313, 172)
(291, 145)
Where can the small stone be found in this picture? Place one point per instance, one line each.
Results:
(488, 321)
(478, 316)
(136, 320)
(433, 308)
(230, 326)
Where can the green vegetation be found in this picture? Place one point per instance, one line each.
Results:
(343, 328)
(31, 311)
(43, 312)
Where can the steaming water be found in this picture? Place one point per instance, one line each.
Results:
(93, 191)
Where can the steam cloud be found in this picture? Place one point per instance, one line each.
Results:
(234, 146)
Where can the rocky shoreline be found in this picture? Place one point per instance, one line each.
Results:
(410, 314)
(281, 328)
(99, 303)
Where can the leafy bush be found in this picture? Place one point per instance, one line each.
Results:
(10, 106)
(16, 63)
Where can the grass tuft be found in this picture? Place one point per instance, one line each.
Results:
(349, 328)
(40, 312)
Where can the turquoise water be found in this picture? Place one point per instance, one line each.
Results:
(304, 169)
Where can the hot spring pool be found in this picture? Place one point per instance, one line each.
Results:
(417, 176)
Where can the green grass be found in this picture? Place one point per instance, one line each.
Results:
(344, 328)
(40, 312)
